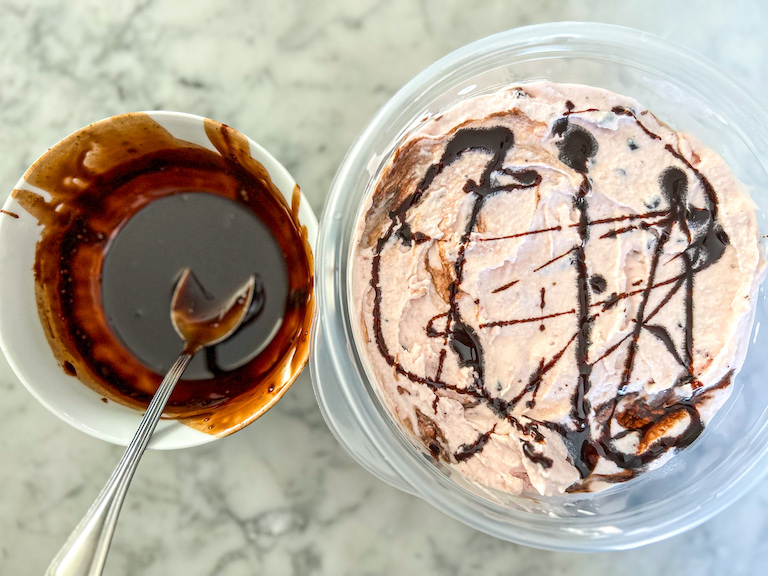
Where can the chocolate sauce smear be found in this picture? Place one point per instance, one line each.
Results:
(533, 456)
(192, 230)
(577, 147)
(131, 207)
(597, 283)
(587, 435)
(466, 451)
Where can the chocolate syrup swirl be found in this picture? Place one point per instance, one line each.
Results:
(587, 435)
(597, 283)
(462, 339)
(466, 451)
(535, 457)
(466, 344)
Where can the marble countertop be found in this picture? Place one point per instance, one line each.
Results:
(302, 77)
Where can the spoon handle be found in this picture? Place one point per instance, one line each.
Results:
(85, 552)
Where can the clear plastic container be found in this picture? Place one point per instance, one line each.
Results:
(691, 96)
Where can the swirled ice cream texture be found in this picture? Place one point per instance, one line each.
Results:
(553, 288)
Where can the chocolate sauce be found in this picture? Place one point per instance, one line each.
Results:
(404, 233)
(617, 231)
(553, 260)
(662, 334)
(521, 234)
(440, 362)
(535, 457)
(526, 320)
(535, 380)
(131, 206)
(640, 320)
(432, 435)
(431, 331)
(7, 213)
(626, 217)
(621, 111)
(466, 451)
(614, 298)
(587, 438)
(597, 283)
(466, 345)
(199, 231)
(673, 185)
(577, 147)
(496, 142)
(505, 286)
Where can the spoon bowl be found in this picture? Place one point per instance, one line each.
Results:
(200, 322)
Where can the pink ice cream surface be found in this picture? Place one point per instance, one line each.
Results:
(553, 288)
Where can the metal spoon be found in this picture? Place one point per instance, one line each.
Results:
(200, 323)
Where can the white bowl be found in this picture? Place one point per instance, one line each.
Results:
(21, 334)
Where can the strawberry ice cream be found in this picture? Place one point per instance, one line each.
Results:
(553, 289)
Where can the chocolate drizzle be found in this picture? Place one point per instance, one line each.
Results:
(466, 344)
(577, 147)
(525, 320)
(462, 338)
(535, 457)
(622, 111)
(535, 380)
(522, 234)
(466, 451)
(553, 260)
(505, 286)
(587, 435)
(597, 283)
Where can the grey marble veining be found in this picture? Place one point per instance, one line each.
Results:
(302, 77)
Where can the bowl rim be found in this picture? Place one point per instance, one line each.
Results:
(426, 481)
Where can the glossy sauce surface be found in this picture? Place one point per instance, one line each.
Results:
(192, 230)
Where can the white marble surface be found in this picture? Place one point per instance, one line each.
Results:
(302, 77)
